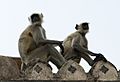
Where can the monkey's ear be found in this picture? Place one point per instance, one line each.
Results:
(76, 27)
(41, 15)
(29, 19)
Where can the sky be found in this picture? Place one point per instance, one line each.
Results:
(60, 18)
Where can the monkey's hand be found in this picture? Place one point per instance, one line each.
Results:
(61, 46)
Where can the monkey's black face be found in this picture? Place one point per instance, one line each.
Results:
(35, 18)
(85, 26)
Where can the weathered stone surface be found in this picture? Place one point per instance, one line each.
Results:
(119, 74)
(38, 72)
(8, 69)
(72, 71)
(18, 61)
(104, 71)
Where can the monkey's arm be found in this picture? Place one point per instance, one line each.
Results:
(59, 43)
(76, 44)
(50, 42)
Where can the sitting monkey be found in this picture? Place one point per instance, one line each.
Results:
(33, 44)
(76, 46)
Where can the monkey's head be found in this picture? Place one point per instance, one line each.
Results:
(82, 28)
(36, 18)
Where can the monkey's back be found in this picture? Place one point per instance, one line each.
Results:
(26, 42)
(68, 42)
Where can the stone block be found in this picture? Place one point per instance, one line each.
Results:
(104, 71)
(8, 69)
(39, 72)
(72, 71)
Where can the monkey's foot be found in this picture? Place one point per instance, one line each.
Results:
(98, 58)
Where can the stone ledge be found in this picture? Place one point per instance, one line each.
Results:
(55, 81)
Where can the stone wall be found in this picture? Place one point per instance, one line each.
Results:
(8, 69)
(70, 71)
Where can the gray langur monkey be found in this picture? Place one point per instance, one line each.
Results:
(76, 46)
(33, 44)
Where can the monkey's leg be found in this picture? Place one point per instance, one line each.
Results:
(72, 54)
(42, 52)
(87, 58)
(55, 57)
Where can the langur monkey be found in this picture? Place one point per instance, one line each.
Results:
(33, 44)
(76, 45)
